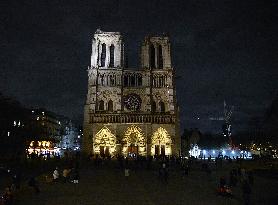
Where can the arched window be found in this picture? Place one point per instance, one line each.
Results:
(112, 48)
(112, 80)
(153, 106)
(101, 79)
(160, 81)
(132, 81)
(160, 57)
(139, 80)
(110, 105)
(152, 56)
(103, 55)
(125, 80)
(101, 105)
(162, 106)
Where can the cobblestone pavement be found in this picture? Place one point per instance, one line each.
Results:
(105, 186)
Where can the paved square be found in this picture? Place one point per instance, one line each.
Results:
(108, 185)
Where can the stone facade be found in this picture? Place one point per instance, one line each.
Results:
(130, 112)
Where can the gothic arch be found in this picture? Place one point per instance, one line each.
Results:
(152, 56)
(101, 105)
(104, 141)
(132, 80)
(161, 106)
(103, 55)
(161, 142)
(160, 57)
(110, 105)
(126, 80)
(112, 50)
(139, 80)
(153, 106)
(134, 137)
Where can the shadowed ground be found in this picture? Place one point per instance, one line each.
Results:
(107, 185)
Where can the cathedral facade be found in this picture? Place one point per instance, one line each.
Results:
(130, 112)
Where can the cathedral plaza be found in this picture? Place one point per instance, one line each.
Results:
(106, 184)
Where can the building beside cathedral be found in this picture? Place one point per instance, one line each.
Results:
(130, 112)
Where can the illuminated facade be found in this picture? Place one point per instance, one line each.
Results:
(128, 111)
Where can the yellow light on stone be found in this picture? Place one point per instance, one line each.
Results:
(134, 136)
(104, 138)
(161, 138)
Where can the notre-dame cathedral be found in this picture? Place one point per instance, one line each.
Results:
(130, 112)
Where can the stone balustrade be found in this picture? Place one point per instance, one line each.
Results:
(132, 118)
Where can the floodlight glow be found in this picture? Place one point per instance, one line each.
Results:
(204, 151)
(213, 152)
(223, 152)
(233, 152)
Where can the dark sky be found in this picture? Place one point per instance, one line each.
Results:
(221, 49)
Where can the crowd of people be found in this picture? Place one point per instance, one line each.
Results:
(15, 178)
(164, 165)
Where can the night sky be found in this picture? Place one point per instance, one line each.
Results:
(221, 50)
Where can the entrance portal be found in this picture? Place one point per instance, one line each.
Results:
(104, 143)
(134, 142)
(161, 142)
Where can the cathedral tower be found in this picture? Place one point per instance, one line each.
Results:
(156, 53)
(107, 50)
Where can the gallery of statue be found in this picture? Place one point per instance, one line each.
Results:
(130, 112)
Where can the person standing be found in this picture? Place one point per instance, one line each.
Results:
(66, 174)
(126, 173)
(56, 175)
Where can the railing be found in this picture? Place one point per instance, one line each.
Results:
(132, 118)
